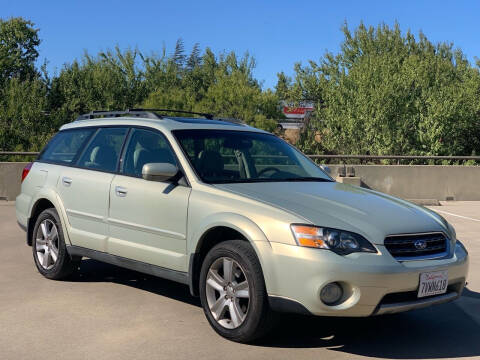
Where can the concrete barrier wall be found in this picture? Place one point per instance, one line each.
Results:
(10, 179)
(440, 182)
(406, 181)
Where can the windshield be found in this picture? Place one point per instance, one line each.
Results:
(223, 156)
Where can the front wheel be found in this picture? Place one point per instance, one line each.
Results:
(232, 292)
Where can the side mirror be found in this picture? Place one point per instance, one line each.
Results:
(159, 171)
(326, 169)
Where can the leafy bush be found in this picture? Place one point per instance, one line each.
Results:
(389, 93)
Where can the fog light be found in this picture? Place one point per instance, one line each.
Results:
(331, 293)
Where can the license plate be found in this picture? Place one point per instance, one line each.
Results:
(433, 283)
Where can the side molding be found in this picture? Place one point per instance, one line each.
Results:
(139, 266)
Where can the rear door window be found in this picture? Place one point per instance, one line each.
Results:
(104, 150)
(65, 146)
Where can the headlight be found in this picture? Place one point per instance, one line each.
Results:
(338, 241)
(460, 245)
(453, 233)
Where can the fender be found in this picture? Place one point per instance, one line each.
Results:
(249, 229)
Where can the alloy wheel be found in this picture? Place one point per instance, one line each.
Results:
(47, 244)
(227, 292)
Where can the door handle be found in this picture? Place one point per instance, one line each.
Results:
(66, 181)
(120, 191)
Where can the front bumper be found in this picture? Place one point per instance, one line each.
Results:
(295, 275)
(390, 308)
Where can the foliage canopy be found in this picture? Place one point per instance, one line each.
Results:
(18, 49)
(33, 106)
(385, 92)
(389, 93)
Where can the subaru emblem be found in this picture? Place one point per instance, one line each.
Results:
(420, 244)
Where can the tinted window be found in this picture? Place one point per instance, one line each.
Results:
(65, 145)
(146, 147)
(104, 150)
(222, 156)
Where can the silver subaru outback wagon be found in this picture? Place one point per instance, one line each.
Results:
(248, 222)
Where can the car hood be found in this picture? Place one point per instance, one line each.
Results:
(331, 204)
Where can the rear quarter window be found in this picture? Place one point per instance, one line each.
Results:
(65, 146)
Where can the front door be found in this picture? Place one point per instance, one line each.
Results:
(148, 219)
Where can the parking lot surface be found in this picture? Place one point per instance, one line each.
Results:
(105, 312)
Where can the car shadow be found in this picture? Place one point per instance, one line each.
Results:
(443, 331)
(471, 294)
(96, 271)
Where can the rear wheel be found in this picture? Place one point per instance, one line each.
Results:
(232, 292)
(48, 246)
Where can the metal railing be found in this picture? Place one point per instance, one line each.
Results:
(323, 157)
(396, 157)
(18, 153)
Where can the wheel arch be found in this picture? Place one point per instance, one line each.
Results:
(214, 230)
(43, 201)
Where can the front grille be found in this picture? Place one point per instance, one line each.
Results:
(416, 245)
(407, 296)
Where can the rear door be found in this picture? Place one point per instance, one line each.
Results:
(84, 188)
(148, 219)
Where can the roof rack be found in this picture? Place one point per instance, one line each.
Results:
(145, 113)
(205, 115)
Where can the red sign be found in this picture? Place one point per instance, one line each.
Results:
(296, 111)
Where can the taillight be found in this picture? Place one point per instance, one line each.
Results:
(26, 170)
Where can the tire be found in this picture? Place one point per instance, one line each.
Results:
(253, 317)
(58, 264)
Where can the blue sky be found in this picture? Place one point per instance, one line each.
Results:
(277, 33)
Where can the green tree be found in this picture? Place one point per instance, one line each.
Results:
(24, 125)
(194, 58)
(283, 86)
(224, 86)
(178, 56)
(23, 105)
(18, 49)
(389, 93)
(111, 80)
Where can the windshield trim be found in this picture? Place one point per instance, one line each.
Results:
(247, 181)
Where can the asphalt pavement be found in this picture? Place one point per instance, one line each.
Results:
(105, 312)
